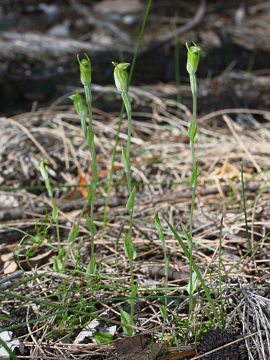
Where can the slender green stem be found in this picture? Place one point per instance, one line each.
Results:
(128, 110)
(121, 83)
(91, 145)
(126, 101)
(193, 194)
(121, 115)
(192, 145)
(132, 273)
(132, 305)
(130, 240)
(193, 84)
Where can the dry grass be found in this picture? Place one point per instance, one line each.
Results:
(60, 305)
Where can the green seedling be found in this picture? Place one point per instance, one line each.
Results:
(193, 58)
(121, 83)
(192, 65)
(83, 108)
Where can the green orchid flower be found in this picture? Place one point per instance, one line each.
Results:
(193, 58)
(85, 70)
(121, 76)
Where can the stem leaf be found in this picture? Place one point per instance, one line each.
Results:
(194, 176)
(192, 132)
(55, 212)
(129, 248)
(126, 318)
(131, 200)
(191, 287)
(133, 294)
(92, 266)
(125, 160)
(91, 226)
